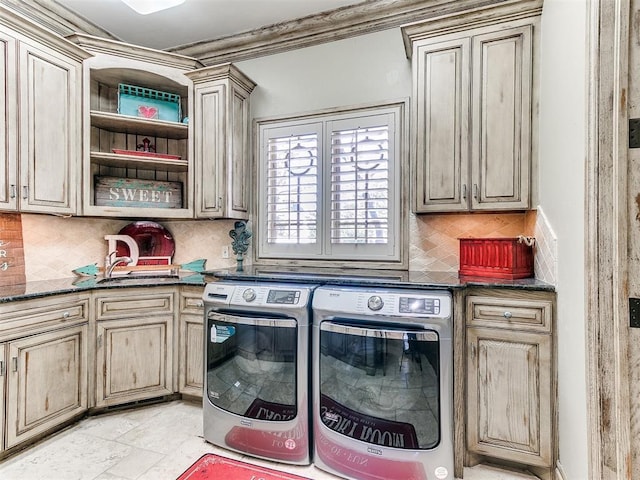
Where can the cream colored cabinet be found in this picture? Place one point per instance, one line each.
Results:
(191, 341)
(134, 345)
(40, 124)
(222, 141)
(138, 159)
(511, 379)
(473, 104)
(43, 362)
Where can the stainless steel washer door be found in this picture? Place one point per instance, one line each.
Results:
(251, 366)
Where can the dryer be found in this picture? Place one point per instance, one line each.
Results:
(382, 383)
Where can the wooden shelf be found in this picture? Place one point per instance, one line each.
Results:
(115, 122)
(133, 161)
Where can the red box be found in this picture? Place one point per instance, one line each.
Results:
(508, 258)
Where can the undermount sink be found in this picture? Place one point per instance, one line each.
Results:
(139, 280)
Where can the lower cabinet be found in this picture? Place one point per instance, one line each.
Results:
(46, 381)
(134, 345)
(511, 379)
(191, 342)
(43, 366)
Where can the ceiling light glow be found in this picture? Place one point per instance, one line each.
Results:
(145, 7)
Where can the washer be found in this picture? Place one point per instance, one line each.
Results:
(382, 383)
(256, 384)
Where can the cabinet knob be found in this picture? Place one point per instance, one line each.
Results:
(66, 315)
(507, 315)
(200, 304)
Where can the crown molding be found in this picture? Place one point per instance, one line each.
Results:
(367, 17)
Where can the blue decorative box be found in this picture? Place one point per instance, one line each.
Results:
(146, 103)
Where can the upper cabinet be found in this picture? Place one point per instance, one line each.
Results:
(40, 118)
(474, 108)
(221, 120)
(138, 150)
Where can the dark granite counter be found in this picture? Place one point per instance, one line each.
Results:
(79, 284)
(378, 278)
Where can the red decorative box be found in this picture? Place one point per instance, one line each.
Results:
(508, 258)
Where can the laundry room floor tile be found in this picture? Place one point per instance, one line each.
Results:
(155, 442)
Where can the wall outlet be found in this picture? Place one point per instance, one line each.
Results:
(225, 251)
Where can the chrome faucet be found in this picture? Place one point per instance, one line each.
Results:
(111, 264)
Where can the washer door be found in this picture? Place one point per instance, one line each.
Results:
(380, 385)
(251, 366)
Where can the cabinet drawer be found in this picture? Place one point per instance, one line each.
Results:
(520, 314)
(191, 300)
(135, 303)
(20, 318)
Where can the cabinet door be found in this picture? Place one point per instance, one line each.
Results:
(191, 342)
(209, 104)
(50, 130)
(47, 382)
(441, 110)
(134, 359)
(3, 373)
(501, 119)
(8, 123)
(509, 384)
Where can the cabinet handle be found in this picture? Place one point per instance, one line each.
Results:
(14, 364)
(507, 315)
(12, 190)
(464, 191)
(1, 368)
(219, 202)
(99, 341)
(25, 192)
(475, 191)
(473, 351)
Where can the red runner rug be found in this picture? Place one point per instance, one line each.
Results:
(215, 467)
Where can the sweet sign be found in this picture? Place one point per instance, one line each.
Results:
(134, 192)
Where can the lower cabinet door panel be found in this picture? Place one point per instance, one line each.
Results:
(509, 395)
(134, 360)
(47, 382)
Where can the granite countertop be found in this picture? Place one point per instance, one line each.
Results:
(379, 278)
(45, 288)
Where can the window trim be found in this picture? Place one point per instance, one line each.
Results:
(400, 260)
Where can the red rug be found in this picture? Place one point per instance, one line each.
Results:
(215, 467)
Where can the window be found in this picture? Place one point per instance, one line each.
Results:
(329, 186)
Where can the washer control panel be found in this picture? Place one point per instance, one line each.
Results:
(390, 302)
(256, 295)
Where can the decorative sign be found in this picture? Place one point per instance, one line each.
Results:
(134, 192)
(11, 252)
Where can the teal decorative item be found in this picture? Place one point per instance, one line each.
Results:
(240, 235)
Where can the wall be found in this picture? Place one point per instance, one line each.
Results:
(562, 166)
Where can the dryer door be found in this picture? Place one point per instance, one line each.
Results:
(380, 384)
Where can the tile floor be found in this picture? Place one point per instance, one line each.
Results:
(155, 442)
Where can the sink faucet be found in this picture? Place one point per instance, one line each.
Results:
(111, 264)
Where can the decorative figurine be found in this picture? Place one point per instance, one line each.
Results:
(240, 243)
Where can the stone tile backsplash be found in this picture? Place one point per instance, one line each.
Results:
(54, 246)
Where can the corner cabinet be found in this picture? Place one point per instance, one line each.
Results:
(511, 380)
(40, 118)
(137, 161)
(473, 108)
(134, 345)
(221, 122)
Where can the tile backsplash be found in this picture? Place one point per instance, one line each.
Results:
(54, 246)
